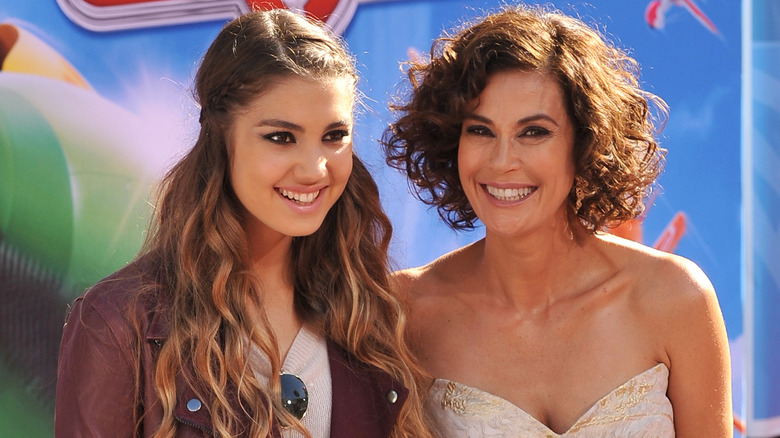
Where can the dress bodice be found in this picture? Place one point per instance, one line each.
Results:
(637, 408)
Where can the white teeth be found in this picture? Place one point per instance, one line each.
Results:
(509, 194)
(301, 198)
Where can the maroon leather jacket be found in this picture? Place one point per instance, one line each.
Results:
(96, 383)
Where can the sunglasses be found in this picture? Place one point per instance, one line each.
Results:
(295, 397)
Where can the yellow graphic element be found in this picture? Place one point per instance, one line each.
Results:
(23, 52)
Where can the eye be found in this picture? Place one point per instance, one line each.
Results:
(479, 130)
(336, 135)
(281, 137)
(535, 131)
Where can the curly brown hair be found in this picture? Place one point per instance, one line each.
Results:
(616, 156)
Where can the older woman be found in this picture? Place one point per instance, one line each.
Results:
(531, 123)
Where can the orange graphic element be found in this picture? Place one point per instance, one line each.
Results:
(668, 239)
(23, 52)
(631, 230)
(672, 234)
(739, 424)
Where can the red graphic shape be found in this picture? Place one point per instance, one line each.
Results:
(672, 234)
(321, 9)
(103, 3)
(113, 15)
(265, 4)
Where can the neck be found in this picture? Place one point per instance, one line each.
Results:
(270, 261)
(535, 270)
(269, 254)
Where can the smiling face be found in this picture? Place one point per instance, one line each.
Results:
(290, 154)
(515, 153)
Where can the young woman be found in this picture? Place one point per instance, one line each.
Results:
(260, 305)
(529, 122)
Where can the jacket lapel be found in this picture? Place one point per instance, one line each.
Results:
(366, 400)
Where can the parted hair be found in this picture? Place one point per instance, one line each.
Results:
(616, 156)
(339, 273)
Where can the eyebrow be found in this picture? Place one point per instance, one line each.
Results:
(524, 120)
(277, 123)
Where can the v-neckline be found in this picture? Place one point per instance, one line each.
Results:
(291, 348)
(489, 396)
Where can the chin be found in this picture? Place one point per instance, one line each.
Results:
(303, 231)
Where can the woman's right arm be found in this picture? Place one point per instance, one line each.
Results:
(698, 350)
(95, 377)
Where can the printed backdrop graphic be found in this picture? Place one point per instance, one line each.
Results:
(761, 192)
(95, 104)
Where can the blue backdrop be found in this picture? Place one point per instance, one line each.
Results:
(133, 64)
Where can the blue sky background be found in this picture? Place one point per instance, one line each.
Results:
(148, 72)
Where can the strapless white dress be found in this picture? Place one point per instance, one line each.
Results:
(637, 408)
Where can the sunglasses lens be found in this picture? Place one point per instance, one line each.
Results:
(295, 397)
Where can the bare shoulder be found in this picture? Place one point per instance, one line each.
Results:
(676, 303)
(673, 303)
(664, 274)
(435, 278)
(432, 296)
(670, 292)
(431, 293)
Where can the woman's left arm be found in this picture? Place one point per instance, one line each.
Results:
(698, 351)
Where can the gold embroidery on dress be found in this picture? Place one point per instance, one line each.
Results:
(464, 402)
(639, 404)
(618, 405)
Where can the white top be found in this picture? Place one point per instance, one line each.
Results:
(307, 359)
(637, 408)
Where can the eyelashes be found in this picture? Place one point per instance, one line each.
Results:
(535, 131)
(529, 131)
(286, 137)
(280, 137)
(336, 135)
(479, 130)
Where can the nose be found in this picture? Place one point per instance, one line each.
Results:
(504, 156)
(312, 164)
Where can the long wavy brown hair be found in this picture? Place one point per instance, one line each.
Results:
(616, 156)
(339, 273)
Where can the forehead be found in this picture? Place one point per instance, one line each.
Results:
(296, 97)
(521, 91)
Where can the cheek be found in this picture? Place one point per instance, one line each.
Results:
(236, 159)
(341, 167)
(468, 164)
(234, 173)
(467, 161)
(568, 168)
(570, 171)
(252, 169)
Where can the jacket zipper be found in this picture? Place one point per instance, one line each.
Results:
(189, 423)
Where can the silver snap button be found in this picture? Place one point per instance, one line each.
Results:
(392, 396)
(194, 405)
